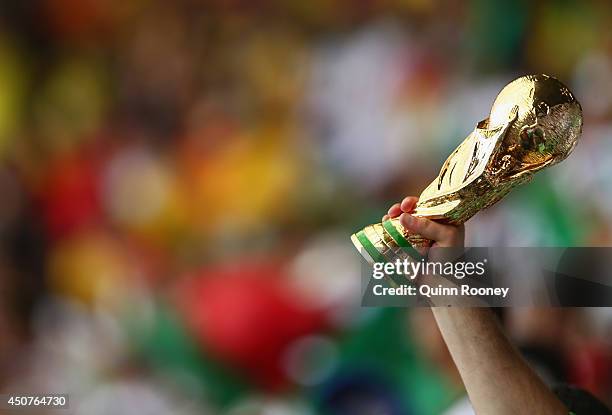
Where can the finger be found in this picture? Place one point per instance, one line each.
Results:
(408, 204)
(444, 235)
(384, 218)
(394, 210)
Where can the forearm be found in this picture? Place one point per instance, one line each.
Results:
(497, 379)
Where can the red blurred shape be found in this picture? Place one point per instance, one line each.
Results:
(77, 18)
(246, 315)
(591, 368)
(70, 195)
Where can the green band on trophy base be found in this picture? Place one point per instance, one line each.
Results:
(401, 241)
(394, 280)
(369, 247)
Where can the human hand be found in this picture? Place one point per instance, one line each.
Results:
(442, 235)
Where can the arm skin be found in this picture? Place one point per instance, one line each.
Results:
(497, 379)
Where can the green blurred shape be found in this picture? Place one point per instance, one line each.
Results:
(166, 346)
(383, 342)
(496, 30)
(562, 223)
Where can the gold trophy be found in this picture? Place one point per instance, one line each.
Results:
(534, 123)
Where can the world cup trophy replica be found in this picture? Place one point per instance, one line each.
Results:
(534, 123)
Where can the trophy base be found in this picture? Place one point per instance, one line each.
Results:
(387, 242)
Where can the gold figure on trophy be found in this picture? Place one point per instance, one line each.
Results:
(534, 123)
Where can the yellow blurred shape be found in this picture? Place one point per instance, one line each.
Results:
(12, 84)
(247, 182)
(70, 105)
(90, 267)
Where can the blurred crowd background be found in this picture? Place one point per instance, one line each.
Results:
(179, 181)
